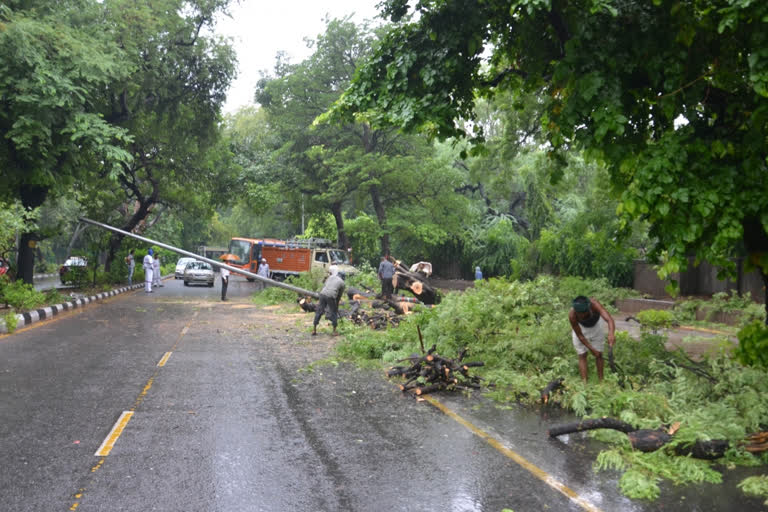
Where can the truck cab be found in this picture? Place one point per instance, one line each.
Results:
(323, 254)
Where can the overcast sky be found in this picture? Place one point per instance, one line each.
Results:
(261, 29)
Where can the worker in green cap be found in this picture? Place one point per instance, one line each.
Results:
(588, 320)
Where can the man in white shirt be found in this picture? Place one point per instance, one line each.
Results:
(156, 271)
(131, 262)
(224, 281)
(147, 264)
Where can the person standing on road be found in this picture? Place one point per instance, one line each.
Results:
(263, 272)
(330, 296)
(386, 271)
(588, 319)
(263, 268)
(147, 264)
(224, 280)
(478, 274)
(131, 262)
(156, 271)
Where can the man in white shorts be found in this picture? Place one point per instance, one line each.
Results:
(588, 319)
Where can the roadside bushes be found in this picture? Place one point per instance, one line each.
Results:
(521, 332)
(19, 297)
(586, 253)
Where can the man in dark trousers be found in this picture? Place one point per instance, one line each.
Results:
(224, 280)
(330, 296)
(386, 271)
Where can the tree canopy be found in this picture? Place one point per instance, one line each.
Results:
(673, 96)
(121, 98)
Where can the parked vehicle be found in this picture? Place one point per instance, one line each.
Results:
(69, 271)
(4, 266)
(198, 272)
(180, 266)
(286, 258)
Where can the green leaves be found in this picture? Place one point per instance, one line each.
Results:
(753, 345)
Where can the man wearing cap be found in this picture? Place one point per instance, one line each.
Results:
(330, 296)
(147, 263)
(263, 268)
(588, 319)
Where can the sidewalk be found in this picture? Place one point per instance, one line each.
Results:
(706, 340)
(30, 317)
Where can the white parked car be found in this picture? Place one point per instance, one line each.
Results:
(198, 272)
(180, 266)
(73, 265)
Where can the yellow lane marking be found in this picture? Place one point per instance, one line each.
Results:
(114, 434)
(164, 360)
(522, 461)
(109, 442)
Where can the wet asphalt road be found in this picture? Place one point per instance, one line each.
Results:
(239, 419)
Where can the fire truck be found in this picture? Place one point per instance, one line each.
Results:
(288, 257)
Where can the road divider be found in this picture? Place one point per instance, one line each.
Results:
(164, 359)
(114, 434)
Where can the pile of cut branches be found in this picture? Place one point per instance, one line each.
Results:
(376, 318)
(431, 372)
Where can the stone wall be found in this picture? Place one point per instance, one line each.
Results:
(698, 280)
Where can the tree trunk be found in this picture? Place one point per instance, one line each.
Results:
(141, 213)
(341, 234)
(764, 274)
(756, 245)
(404, 279)
(31, 197)
(591, 424)
(381, 216)
(79, 229)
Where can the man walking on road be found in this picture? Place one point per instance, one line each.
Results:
(156, 272)
(131, 262)
(224, 280)
(386, 271)
(330, 296)
(588, 319)
(147, 264)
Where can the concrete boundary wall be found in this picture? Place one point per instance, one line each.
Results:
(698, 280)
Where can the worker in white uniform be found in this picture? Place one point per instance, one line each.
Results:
(147, 264)
(156, 271)
(225, 280)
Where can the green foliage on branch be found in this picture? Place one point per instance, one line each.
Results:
(753, 345)
(521, 332)
(756, 486)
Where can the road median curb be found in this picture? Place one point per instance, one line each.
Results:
(30, 317)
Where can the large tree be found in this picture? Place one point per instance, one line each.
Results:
(171, 103)
(55, 61)
(325, 163)
(672, 95)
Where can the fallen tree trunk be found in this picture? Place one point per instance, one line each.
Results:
(306, 304)
(591, 424)
(417, 284)
(549, 388)
(647, 440)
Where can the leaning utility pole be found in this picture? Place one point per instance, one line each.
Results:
(215, 263)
